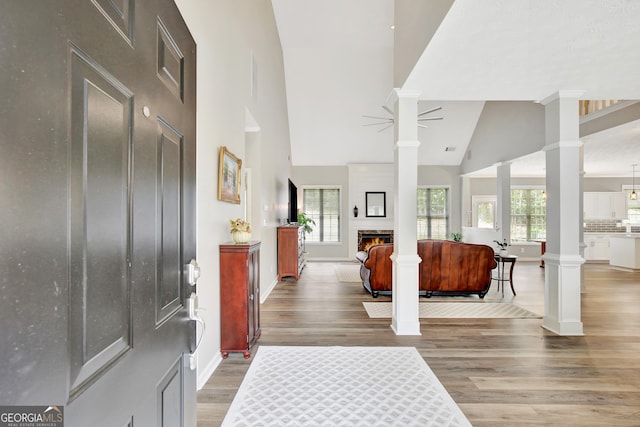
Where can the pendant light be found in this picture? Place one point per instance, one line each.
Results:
(633, 195)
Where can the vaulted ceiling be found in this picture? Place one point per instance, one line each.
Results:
(341, 58)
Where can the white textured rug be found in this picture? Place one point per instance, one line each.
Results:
(456, 310)
(341, 386)
(348, 273)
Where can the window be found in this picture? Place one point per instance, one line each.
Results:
(484, 211)
(322, 204)
(528, 214)
(633, 206)
(433, 213)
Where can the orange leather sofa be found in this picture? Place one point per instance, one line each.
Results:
(447, 268)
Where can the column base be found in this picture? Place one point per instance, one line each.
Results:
(405, 327)
(405, 317)
(562, 294)
(569, 329)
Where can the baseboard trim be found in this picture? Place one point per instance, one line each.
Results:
(265, 292)
(205, 373)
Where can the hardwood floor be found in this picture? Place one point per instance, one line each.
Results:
(501, 372)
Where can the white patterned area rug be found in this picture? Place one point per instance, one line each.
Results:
(456, 310)
(341, 386)
(348, 273)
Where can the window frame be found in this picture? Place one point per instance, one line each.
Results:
(632, 204)
(528, 237)
(301, 208)
(447, 216)
(478, 199)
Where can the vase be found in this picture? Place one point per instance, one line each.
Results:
(504, 252)
(241, 236)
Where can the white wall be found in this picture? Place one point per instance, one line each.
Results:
(365, 178)
(415, 21)
(329, 176)
(505, 131)
(227, 34)
(359, 178)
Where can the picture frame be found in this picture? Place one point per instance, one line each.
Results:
(376, 204)
(229, 173)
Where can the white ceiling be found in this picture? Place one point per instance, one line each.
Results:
(338, 58)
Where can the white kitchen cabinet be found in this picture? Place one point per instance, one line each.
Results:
(605, 205)
(597, 247)
(619, 205)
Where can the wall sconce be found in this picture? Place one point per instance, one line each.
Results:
(355, 212)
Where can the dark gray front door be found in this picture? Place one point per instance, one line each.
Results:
(97, 209)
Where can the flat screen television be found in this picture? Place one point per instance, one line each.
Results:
(293, 203)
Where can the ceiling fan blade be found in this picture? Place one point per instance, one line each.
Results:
(429, 111)
(387, 110)
(430, 118)
(422, 126)
(380, 118)
(381, 123)
(386, 127)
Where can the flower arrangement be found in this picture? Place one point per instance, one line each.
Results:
(240, 225)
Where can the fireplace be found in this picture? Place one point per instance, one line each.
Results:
(367, 238)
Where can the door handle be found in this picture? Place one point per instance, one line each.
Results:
(193, 272)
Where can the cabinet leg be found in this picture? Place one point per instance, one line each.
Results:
(225, 354)
(247, 354)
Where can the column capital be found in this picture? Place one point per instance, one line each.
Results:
(502, 164)
(563, 144)
(399, 93)
(576, 94)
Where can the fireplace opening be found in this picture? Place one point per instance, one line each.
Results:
(368, 238)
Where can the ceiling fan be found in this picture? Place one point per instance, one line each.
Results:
(388, 121)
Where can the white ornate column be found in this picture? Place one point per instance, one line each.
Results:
(562, 259)
(405, 317)
(503, 199)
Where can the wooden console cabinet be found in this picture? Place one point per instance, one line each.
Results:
(290, 251)
(239, 297)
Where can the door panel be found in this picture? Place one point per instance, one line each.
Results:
(169, 199)
(99, 178)
(98, 199)
(120, 13)
(169, 393)
(170, 61)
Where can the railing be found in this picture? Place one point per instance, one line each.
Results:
(591, 106)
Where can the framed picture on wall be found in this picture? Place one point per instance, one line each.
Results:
(229, 176)
(376, 204)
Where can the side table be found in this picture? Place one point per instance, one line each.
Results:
(501, 260)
